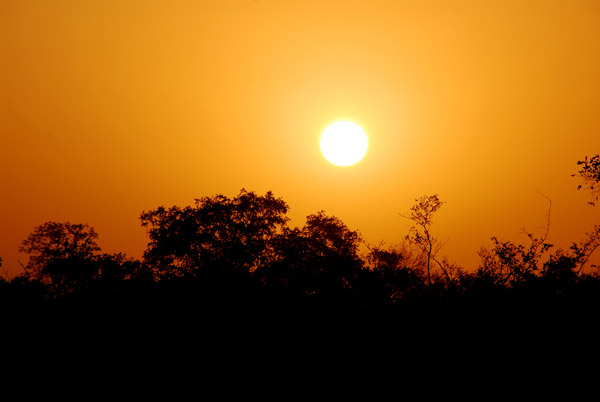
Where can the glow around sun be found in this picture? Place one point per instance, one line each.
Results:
(344, 143)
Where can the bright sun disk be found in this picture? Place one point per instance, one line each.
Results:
(344, 143)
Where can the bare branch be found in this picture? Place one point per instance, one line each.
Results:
(419, 234)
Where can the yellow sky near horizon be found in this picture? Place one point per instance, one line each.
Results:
(111, 108)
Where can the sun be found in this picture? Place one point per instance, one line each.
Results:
(344, 143)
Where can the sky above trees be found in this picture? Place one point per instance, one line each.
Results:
(109, 109)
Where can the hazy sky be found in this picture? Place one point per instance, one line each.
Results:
(110, 108)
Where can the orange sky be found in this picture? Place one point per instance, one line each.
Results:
(109, 108)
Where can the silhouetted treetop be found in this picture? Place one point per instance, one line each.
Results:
(59, 240)
(590, 174)
(59, 254)
(318, 260)
(331, 233)
(231, 233)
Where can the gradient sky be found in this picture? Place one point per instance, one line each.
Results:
(110, 108)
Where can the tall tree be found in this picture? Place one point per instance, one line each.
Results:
(217, 232)
(421, 213)
(319, 260)
(61, 255)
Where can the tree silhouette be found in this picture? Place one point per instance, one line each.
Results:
(560, 272)
(590, 174)
(509, 264)
(217, 233)
(225, 256)
(400, 275)
(420, 234)
(320, 261)
(61, 255)
(583, 251)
